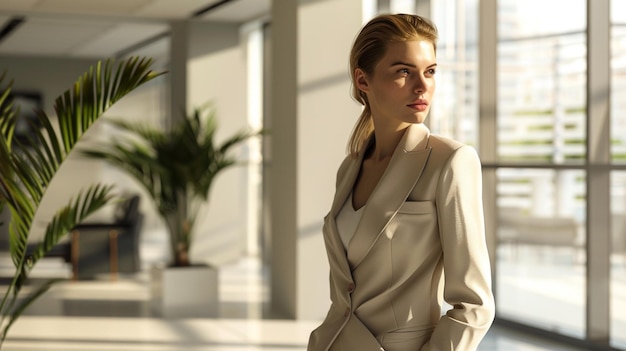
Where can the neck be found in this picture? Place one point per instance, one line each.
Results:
(386, 140)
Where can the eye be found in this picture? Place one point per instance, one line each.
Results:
(431, 71)
(404, 71)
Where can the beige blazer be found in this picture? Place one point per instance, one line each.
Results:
(424, 217)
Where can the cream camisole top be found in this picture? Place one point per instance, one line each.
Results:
(347, 220)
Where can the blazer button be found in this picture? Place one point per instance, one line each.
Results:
(350, 287)
(347, 313)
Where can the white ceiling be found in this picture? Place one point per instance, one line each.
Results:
(102, 28)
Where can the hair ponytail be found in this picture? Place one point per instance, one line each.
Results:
(363, 128)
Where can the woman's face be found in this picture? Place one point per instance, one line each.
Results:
(401, 87)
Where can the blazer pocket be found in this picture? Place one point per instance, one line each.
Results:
(417, 207)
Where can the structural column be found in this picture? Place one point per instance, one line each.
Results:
(311, 114)
(488, 114)
(208, 66)
(283, 174)
(598, 172)
(179, 55)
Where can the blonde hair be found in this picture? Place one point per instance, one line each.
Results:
(368, 49)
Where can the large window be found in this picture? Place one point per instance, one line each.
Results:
(541, 122)
(455, 107)
(618, 177)
(540, 254)
(618, 259)
(618, 81)
(541, 88)
(549, 183)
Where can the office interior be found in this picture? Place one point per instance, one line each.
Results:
(537, 87)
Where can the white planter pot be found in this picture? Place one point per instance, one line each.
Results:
(185, 292)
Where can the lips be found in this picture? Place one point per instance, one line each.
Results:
(420, 105)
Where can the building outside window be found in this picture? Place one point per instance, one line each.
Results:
(618, 173)
(541, 123)
(541, 167)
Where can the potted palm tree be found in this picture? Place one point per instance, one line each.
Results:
(27, 167)
(177, 167)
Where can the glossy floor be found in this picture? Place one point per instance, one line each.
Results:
(106, 315)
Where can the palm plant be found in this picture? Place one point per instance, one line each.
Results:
(176, 167)
(28, 167)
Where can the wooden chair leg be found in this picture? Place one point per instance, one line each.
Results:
(75, 251)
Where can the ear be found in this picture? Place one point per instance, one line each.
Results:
(360, 79)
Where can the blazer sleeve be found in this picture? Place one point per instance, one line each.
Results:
(467, 272)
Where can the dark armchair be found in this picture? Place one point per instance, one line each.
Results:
(108, 247)
(112, 247)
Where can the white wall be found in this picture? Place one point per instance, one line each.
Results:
(217, 74)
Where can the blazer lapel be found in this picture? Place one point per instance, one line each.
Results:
(344, 188)
(346, 183)
(401, 175)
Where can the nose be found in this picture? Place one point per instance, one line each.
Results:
(419, 86)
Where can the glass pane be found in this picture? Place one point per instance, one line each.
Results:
(541, 81)
(455, 106)
(618, 178)
(402, 6)
(541, 248)
(618, 259)
(618, 81)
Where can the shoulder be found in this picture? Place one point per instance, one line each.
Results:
(457, 163)
(445, 148)
(443, 143)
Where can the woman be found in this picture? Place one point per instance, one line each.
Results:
(407, 209)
